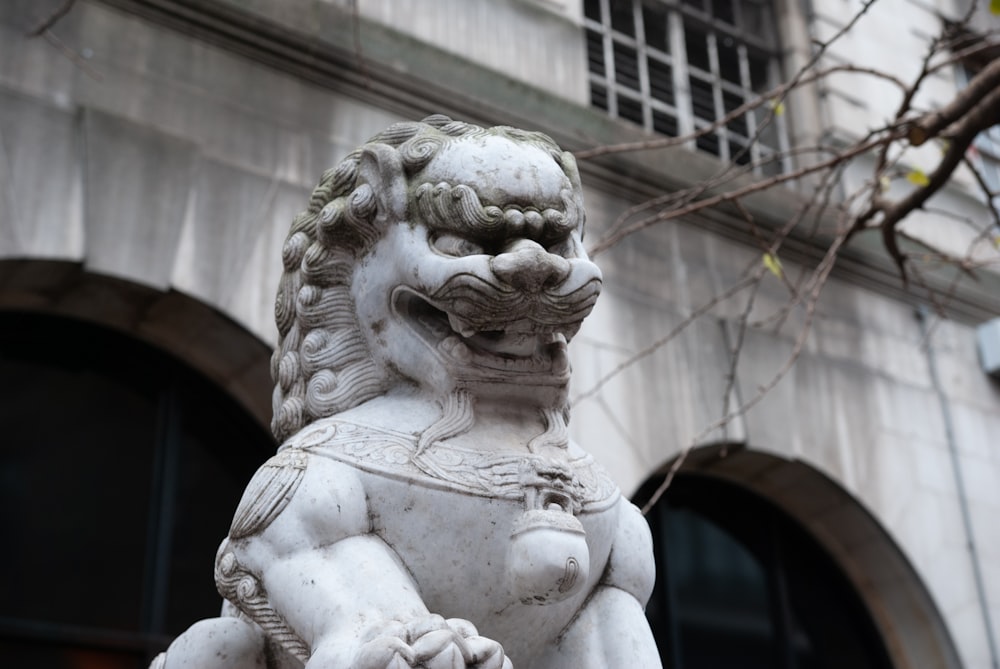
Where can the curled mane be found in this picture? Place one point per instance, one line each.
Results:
(322, 365)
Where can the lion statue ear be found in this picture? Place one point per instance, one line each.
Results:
(382, 169)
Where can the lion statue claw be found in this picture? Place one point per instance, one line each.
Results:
(426, 507)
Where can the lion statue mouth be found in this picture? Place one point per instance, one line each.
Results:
(476, 325)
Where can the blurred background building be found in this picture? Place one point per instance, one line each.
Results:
(153, 153)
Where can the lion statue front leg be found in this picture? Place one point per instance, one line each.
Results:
(314, 587)
(611, 630)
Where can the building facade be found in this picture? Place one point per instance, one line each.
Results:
(154, 152)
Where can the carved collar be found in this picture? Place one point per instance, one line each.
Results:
(383, 451)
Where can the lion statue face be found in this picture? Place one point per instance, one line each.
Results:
(483, 279)
(441, 257)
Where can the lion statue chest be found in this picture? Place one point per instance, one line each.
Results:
(455, 516)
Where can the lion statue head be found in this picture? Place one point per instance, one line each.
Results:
(439, 257)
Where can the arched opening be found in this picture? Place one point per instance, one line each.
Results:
(120, 468)
(207, 340)
(741, 584)
(765, 562)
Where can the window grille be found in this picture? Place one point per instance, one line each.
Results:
(674, 67)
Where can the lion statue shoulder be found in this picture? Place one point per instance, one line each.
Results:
(427, 507)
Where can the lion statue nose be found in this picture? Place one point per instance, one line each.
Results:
(527, 266)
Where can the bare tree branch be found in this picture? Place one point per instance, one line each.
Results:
(820, 276)
(828, 205)
(767, 99)
(755, 187)
(971, 97)
(984, 113)
(670, 336)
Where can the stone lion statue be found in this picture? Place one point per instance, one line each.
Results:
(426, 507)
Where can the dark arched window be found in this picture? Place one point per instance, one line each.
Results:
(741, 585)
(120, 469)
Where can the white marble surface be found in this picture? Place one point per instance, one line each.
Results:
(427, 508)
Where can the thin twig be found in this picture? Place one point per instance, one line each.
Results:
(670, 336)
(765, 99)
(72, 55)
(821, 275)
(755, 187)
(50, 20)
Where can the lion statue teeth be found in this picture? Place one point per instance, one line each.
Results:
(426, 507)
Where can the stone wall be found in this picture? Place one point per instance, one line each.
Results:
(176, 165)
(859, 405)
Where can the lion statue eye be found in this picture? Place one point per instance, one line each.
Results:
(453, 245)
